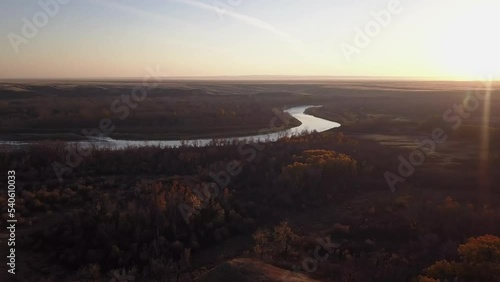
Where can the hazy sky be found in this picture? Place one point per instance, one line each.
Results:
(120, 38)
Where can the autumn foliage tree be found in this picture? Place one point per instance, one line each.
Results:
(479, 261)
(317, 174)
(275, 243)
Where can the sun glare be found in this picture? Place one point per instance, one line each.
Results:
(469, 47)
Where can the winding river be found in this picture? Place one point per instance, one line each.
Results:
(308, 122)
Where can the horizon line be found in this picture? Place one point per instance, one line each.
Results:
(246, 78)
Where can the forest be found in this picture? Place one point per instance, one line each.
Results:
(310, 207)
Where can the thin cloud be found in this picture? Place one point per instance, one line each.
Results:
(134, 11)
(257, 23)
(242, 18)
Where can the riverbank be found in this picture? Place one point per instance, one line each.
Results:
(152, 133)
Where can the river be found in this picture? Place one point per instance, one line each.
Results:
(308, 122)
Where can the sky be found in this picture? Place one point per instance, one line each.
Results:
(121, 38)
